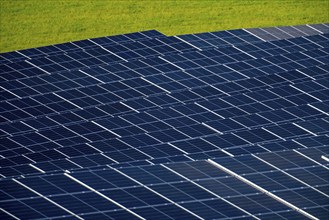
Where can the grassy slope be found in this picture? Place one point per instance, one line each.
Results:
(32, 23)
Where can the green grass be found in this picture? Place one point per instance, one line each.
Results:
(33, 23)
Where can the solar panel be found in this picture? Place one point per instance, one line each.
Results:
(219, 125)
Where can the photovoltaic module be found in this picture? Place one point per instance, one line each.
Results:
(218, 125)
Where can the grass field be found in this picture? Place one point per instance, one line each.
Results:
(33, 23)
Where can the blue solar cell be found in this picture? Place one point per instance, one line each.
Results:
(228, 210)
(21, 210)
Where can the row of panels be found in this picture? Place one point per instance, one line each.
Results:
(199, 189)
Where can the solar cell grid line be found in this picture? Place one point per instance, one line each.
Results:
(262, 190)
(102, 195)
(37, 67)
(194, 183)
(77, 46)
(176, 63)
(309, 158)
(325, 157)
(301, 161)
(280, 33)
(217, 39)
(298, 179)
(296, 31)
(209, 183)
(188, 43)
(51, 201)
(260, 33)
(323, 28)
(8, 213)
(176, 204)
(306, 30)
(29, 61)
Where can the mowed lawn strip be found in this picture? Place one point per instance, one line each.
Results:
(33, 23)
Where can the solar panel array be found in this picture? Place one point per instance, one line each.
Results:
(221, 125)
